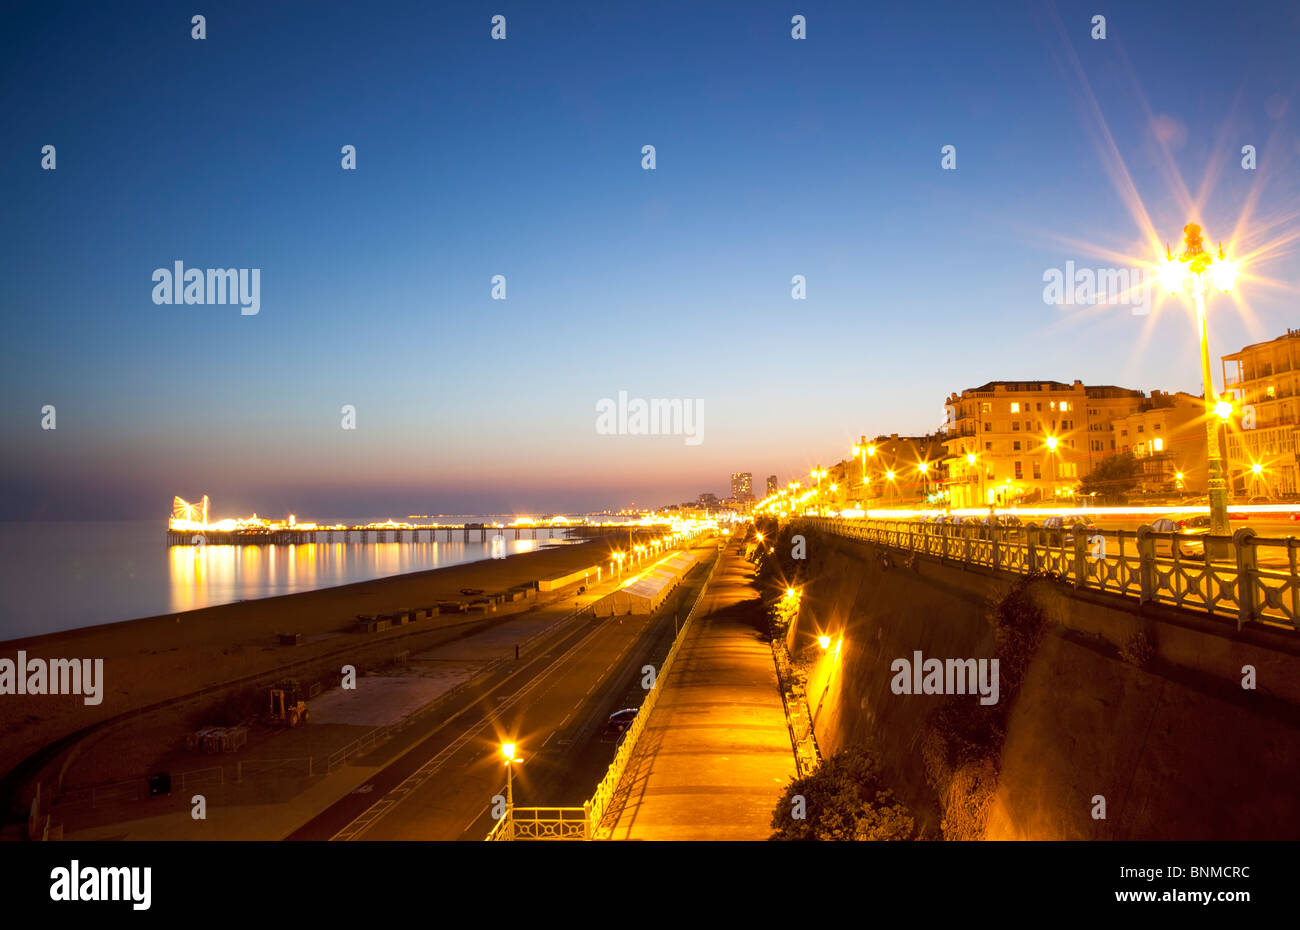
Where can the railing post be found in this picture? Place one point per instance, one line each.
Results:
(993, 547)
(1295, 582)
(587, 830)
(1247, 567)
(1080, 555)
(1031, 554)
(1147, 565)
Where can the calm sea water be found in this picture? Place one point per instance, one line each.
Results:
(61, 576)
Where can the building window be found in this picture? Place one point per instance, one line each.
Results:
(1015, 426)
(988, 427)
(1038, 470)
(1142, 428)
(988, 446)
(1015, 407)
(1015, 446)
(1157, 445)
(1018, 471)
(986, 408)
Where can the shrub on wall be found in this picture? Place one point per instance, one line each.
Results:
(1139, 650)
(843, 800)
(963, 739)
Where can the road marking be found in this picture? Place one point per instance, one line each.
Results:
(369, 817)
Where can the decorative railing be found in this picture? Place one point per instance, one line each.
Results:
(1246, 578)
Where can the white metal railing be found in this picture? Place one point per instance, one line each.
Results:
(1254, 582)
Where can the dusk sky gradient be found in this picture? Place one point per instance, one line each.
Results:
(523, 158)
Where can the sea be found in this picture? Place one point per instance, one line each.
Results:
(62, 576)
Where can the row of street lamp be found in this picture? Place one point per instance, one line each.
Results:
(1193, 264)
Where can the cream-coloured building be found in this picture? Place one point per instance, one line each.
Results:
(1014, 442)
(1264, 381)
(1167, 435)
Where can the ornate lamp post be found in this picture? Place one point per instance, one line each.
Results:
(1193, 263)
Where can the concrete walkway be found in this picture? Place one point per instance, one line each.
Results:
(715, 754)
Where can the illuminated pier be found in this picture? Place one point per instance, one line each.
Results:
(191, 525)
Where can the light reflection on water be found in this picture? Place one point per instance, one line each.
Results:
(205, 575)
(60, 576)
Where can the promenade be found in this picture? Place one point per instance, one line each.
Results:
(715, 755)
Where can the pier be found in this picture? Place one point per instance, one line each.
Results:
(466, 532)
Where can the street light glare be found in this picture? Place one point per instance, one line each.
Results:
(824, 641)
(1051, 443)
(1172, 274)
(1223, 273)
(1224, 409)
(508, 750)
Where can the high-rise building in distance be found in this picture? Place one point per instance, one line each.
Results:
(771, 485)
(742, 486)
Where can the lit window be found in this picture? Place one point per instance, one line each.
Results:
(1015, 407)
(1157, 444)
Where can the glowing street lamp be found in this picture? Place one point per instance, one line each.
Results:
(819, 473)
(508, 750)
(1195, 262)
(864, 450)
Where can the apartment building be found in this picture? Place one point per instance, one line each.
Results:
(1263, 380)
(1014, 442)
(1167, 435)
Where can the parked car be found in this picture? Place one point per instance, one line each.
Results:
(1187, 548)
(1060, 529)
(619, 721)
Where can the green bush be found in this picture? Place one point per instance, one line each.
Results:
(843, 800)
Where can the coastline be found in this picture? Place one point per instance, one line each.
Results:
(153, 659)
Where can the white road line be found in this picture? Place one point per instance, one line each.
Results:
(417, 778)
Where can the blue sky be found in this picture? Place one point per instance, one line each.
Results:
(522, 157)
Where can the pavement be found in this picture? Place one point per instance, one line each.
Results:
(715, 755)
